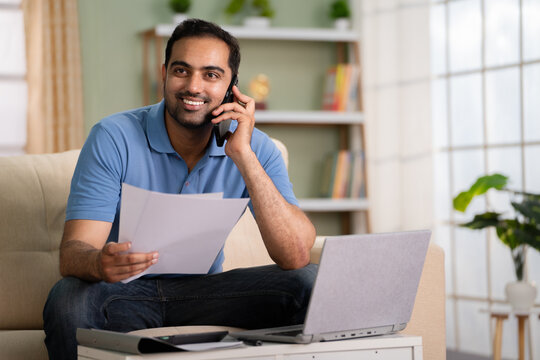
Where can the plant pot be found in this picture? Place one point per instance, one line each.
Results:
(521, 295)
(178, 18)
(257, 22)
(342, 24)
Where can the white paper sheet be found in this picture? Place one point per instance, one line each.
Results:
(188, 231)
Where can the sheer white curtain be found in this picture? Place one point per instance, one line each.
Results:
(397, 111)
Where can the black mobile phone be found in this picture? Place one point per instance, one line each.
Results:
(221, 129)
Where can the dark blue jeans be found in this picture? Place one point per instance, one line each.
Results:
(248, 298)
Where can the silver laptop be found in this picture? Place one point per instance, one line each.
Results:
(365, 286)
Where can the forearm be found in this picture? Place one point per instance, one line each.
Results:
(286, 231)
(80, 260)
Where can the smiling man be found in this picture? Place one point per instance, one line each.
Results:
(170, 147)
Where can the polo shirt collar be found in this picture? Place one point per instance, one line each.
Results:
(215, 150)
(159, 138)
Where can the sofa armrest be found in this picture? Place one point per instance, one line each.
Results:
(429, 314)
(315, 253)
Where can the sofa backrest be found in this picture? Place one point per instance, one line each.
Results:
(33, 196)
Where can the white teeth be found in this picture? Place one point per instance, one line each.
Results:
(189, 102)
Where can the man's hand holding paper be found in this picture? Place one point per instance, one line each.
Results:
(117, 263)
(187, 231)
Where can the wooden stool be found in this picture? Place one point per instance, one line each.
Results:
(497, 340)
(499, 317)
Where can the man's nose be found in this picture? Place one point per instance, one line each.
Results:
(195, 84)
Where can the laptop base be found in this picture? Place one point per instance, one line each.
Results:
(294, 335)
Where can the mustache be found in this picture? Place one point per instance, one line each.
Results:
(182, 94)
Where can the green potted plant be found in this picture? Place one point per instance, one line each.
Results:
(180, 8)
(340, 13)
(259, 12)
(516, 233)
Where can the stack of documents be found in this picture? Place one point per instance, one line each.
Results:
(188, 231)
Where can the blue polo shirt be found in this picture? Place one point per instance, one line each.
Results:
(134, 147)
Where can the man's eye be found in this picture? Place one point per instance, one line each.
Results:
(213, 75)
(179, 71)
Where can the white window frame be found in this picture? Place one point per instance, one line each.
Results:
(13, 141)
(454, 298)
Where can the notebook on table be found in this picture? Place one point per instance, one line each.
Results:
(366, 285)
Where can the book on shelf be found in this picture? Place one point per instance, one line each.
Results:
(341, 87)
(343, 175)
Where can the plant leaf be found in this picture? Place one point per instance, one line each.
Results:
(484, 220)
(506, 231)
(529, 196)
(482, 184)
(462, 201)
(234, 7)
(529, 209)
(529, 235)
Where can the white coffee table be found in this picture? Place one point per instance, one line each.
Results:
(390, 347)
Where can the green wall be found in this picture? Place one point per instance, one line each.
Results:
(111, 48)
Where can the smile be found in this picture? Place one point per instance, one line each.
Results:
(190, 102)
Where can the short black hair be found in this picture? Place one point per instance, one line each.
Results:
(201, 28)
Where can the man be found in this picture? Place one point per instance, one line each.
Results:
(170, 147)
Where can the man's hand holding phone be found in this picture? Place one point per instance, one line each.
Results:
(239, 142)
(116, 264)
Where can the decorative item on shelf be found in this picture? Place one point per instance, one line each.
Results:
(340, 13)
(517, 233)
(259, 89)
(180, 8)
(259, 12)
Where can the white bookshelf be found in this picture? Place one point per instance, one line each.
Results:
(271, 33)
(309, 117)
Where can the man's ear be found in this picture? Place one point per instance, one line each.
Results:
(163, 73)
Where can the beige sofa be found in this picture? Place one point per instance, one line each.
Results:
(33, 194)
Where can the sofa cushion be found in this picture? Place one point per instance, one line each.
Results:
(33, 194)
(23, 345)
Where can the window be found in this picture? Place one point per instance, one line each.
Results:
(13, 90)
(485, 57)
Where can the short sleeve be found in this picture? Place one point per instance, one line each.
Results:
(96, 183)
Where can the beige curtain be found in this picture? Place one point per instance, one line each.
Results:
(55, 110)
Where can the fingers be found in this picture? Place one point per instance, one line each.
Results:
(238, 116)
(249, 102)
(243, 111)
(115, 248)
(230, 107)
(116, 264)
(243, 104)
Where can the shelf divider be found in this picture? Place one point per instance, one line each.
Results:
(309, 117)
(333, 205)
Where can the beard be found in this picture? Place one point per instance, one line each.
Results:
(176, 112)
